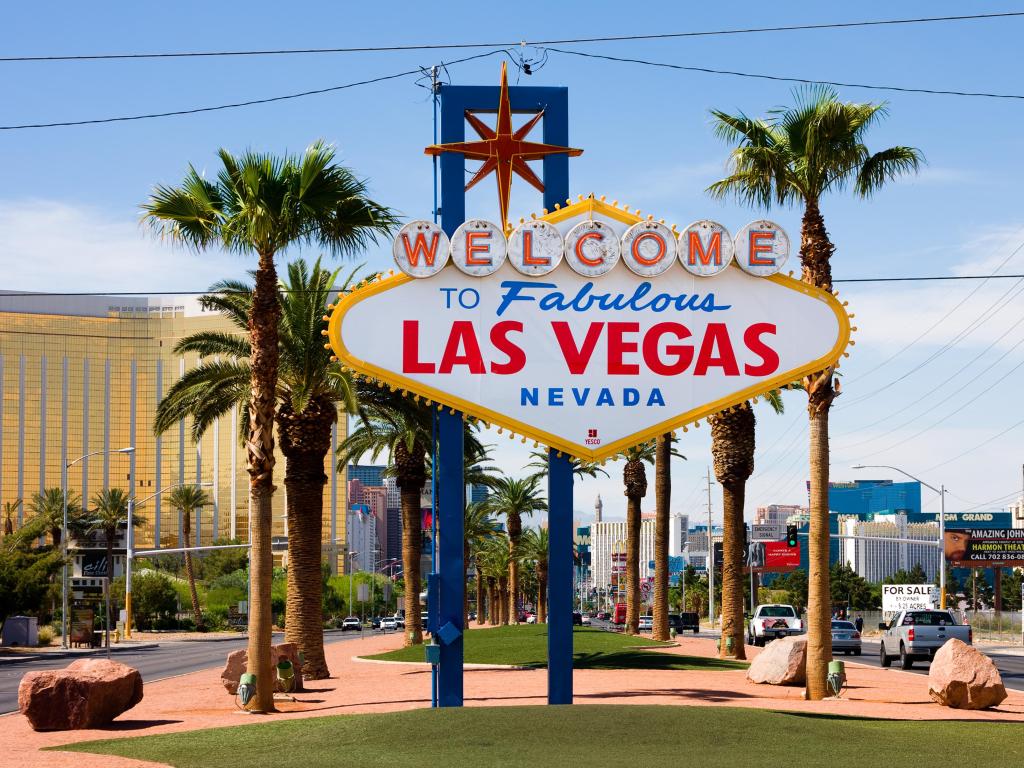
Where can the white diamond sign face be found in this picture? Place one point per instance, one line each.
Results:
(589, 365)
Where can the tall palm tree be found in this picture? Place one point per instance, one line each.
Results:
(794, 157)
(733, 438)
(10, 511)
(401, 428)
(581, 468)
(535, 550)
(188, 499)
(260, 205)
(48, 506)
(108, 515)
(310, 388)
(495, 559)
(477, 528)
(663, 453)
(634, 479)
(513, 499)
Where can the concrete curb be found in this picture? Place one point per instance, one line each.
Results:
(77, 654)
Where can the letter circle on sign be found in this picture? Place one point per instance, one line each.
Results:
(535, 247)
(591, 248)
(705, 248)
(762, 247)
(648, 248)
(421, 249)
(478, 247)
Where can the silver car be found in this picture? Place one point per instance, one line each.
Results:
(845, 638)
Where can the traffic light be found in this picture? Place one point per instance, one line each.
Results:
(791, 540)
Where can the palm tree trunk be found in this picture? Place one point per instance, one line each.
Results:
(493, 612)
(263, 334)
(632, 565)
(305, 441)
(542, 594)
(733, 494)
(515, 533)
(503, 601)
(479, 595)
(662, 501)
(186, 530)
(815, 255)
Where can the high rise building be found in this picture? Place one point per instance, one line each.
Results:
(80, 374)
(608, 548)
(367, 474)
(875, 560)
(598, 508)
(777, 514)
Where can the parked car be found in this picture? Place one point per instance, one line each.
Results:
(603, 616)
(388, 622)
(845, 638)
(585, 620)
(773, 621)
(399, 620)
(351, 622)
(646, 623)
(375, 621)
(684, 622)
(577, 618)
(916, 636)
(531, 618)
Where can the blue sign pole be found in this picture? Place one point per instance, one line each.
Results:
(452, 569)
(559, 578)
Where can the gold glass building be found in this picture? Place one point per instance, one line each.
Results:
(84, 373)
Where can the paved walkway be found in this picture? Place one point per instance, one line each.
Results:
(198, 700)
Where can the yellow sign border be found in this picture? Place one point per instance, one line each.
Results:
(446, 399)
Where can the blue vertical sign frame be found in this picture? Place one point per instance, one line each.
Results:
(455, 100)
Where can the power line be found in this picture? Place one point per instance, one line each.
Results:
(236, 105)
(930, 277)
(979, 445)
(507, 44)
(779, 78)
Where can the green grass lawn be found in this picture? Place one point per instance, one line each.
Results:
(712, 737)
(527, 645)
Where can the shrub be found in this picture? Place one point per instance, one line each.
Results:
(45, 636)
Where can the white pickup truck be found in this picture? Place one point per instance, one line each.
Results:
(770, 622)
(916, 636)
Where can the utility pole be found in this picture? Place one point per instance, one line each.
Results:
(711, 561)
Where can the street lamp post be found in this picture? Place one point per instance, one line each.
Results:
(64, 621)
(130, 550)
(941, 490)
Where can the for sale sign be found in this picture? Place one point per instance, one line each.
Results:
(909, 597)
(590, 329)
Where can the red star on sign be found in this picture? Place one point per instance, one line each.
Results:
(503, 150)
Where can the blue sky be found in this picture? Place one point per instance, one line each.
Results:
(69, 198)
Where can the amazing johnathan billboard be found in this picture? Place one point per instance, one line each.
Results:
(985, 547)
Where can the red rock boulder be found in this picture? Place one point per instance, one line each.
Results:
(962, 677)
(89, 693)
(237, 661)
(782, 662)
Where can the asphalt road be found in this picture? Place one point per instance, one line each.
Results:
(166, 660)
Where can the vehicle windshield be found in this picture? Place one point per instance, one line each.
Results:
(845, 625)
(784, 611)
(928, 619)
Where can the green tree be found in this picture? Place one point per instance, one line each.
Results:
(48, 506)
(189, 499)
(634, 480)
(259, 205)
(220, 562)
(477, 528)
(154, 601)
(310, 389)
(26, 571)
(495, 561)
(10, 513)
(513, 499)
(794, 157)
(535, 551)
(581, 468)
(109, 514)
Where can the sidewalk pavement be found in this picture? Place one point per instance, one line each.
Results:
(198, 700)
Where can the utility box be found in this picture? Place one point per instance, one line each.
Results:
(21, 630)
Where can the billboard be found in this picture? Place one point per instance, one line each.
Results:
(909, 597)
(985, 547)
(773, 556)
(588, 329)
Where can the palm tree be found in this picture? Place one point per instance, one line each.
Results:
(496, 559)
(663, 453)
(108, 515)
(535, 550)
(400, 427)
(260, 205)
(513, 499)
(794, 157)
(580, 467)
(477, 528)
(48, 506)
(188, 499)
(309, 389)
(634, 478)
(10, 510)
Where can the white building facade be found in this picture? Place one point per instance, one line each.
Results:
(875, 560)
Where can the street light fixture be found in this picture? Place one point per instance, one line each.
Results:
(64, 621)
(941, 490)
(130, 550)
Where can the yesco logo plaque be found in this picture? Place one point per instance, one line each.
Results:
(589, 329)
